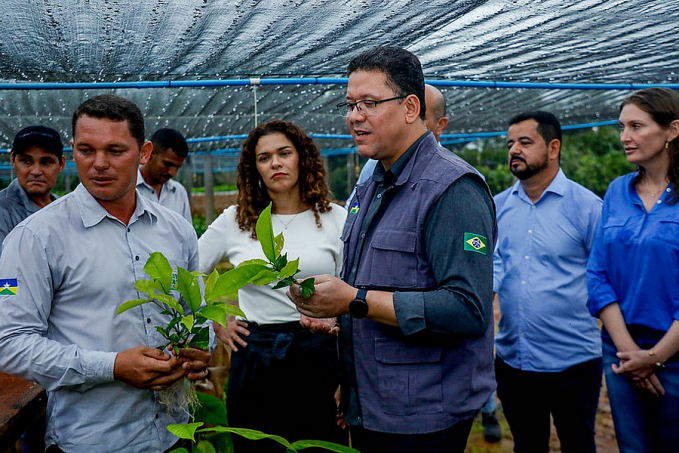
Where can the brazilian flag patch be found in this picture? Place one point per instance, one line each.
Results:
(476, 243)
(8, 287)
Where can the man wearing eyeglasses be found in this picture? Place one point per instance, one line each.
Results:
(415, 299)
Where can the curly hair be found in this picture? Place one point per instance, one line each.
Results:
(253, 196)
(662, 104)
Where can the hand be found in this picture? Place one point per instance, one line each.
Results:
(341, 421)
(637, 364)
(331, 298)
(194, 362)
(320, 325)
(147, 368)
(233, 333)
(651, 384)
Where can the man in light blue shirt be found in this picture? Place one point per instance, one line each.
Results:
(548, 346)
(154, 180)
(71, 265)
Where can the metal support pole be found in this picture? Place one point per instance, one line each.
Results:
(255, 81)
(209, 189)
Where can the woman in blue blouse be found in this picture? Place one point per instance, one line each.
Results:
(633, 277)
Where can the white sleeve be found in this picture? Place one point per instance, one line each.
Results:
(213, 245)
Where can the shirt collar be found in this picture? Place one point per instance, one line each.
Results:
(92, 212)
(380, 175)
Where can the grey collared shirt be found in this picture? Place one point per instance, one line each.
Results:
(72, 265)
(173, 196)
(15, 206)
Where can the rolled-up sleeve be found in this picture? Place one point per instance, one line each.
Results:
(600, 293)
(25, 349)
(461, 304)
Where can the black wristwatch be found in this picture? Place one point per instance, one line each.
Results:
(358, 308)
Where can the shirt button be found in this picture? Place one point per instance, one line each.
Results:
(362, 235)
(523, 282)
(353, 270)
(668, 190)
(659, 201)
(128, 229)
(148, 320)
(136, 258)
(527, 257)
(530, 231)
(157, 416)
(379, 195)
(532, 207)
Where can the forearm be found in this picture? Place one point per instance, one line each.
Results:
(54, 365)
(611, 316)
(668, 344)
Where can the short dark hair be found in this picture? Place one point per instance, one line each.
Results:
(164, 139)
(402, 69)
(41, 136)
(549, 127)
(115, 108)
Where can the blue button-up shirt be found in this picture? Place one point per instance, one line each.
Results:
(173, 195)
(635, 259)
(539, 275)
(69, 267)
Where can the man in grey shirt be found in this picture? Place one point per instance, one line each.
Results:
(154, 180)
(68, 268)
(37, 158)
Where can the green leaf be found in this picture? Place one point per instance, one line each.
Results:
(185, 431)
(170, 302)
(254, 261)
(145, 286)
(162, 331)
(159, 269)
(187, 285)
(179, 450)
(283, 283)
(307, 288)
(201, 339)
(278, 243)
(232, 310)
(290, 269)
(281, 261)
(247, 433)
(264, 232)
(214, 313)
(209, 284)
(234, 279)
(188, 321)
(197, 274)
(264, 277)
(204, 446)
(302, 444)
(210, 410)
(131, 304)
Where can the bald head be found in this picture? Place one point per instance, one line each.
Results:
(436, 118)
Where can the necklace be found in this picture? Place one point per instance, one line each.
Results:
(658, 190)
(285, 225)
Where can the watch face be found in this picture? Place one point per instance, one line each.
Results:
(358, 308)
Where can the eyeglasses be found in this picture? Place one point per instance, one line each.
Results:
(366, 107)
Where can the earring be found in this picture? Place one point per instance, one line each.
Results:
(259, 181)
(667, 145)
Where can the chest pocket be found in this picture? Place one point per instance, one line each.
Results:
(394, 259)
(616, 232)
(668, 231)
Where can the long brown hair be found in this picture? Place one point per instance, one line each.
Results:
(253, 196)
(662, 104)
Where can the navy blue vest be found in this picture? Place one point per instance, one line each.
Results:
(398, 384)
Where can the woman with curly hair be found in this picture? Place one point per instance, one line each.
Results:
(632, 277)
(283, 376)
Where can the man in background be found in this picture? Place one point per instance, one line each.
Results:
(548, 346)
(37, 158)
(155, 176)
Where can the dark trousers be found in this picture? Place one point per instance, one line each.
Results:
(284, 383)
(451, 440)
(570, 396)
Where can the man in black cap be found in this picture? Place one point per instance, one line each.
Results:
(37, 158)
